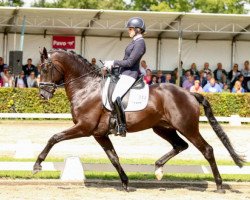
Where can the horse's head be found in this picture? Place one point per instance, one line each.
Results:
(50, 75)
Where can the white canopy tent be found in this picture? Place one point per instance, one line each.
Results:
(102, 34)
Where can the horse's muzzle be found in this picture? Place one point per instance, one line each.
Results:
(47, 90)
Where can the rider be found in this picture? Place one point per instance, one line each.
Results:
(128, 68)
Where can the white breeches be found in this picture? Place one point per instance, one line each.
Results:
(122, 86)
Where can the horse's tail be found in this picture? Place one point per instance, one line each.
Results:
(238, 159)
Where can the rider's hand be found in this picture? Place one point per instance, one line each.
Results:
(108, 64)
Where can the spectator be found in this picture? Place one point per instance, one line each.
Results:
(147, 78)
(238, 88)
(29, 67)
(93, 63)
(154, 80)
(202, 79)
(196, 87)
(225, 88)
(160, 77)
(21, 81)
(233, 74)
(31, 80)
(241, 78)
(194, 71)
(246, 70)
(212, 86)
(188, 83)
(186, 75)
(218, 73)
(7, 78)
(208, 77)
(2, 65)
(206, 69)
(143, 68)
(169, 78)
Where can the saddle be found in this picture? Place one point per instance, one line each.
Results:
(135, 99)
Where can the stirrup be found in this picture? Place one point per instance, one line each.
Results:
(121, 130)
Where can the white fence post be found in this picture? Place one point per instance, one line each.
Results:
(73, 170)
(235, 120)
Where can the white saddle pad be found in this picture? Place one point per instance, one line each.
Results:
(138, 98)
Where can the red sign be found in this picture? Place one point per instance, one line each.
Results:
(63, 42)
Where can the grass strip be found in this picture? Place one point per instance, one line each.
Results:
(145, 161)
(131, 175)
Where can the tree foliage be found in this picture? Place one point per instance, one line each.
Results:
(221, 6)
(83, 4)
(19, 3)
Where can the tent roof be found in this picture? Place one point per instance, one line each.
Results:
(107, 23)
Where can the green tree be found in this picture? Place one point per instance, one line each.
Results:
(221, 6)
(83, 4)
(143, 5)
(15, 3)
(173, 5)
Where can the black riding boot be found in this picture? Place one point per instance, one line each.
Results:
(120, 117)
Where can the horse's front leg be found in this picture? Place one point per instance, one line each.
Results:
(107, 146)
(71, 133)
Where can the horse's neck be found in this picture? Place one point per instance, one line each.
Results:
(82, 87)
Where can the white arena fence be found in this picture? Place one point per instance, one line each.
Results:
(234, 120)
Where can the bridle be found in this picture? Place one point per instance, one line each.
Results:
(51, 87)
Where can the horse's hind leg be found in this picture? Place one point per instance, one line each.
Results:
(178, 145)
(207, 151)
(74, 132)
(110, 151)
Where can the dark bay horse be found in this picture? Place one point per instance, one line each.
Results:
(170, 109)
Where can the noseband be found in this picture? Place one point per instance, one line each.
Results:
(49, 87)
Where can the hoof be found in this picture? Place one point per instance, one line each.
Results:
(159, 173)
(37, 168)
(125, 187)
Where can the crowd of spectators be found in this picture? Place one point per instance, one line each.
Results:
(191, 79)
(203, 80)
(27, 78)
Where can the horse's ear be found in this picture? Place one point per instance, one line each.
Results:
(45, 53)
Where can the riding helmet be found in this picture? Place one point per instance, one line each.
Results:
(136, 22)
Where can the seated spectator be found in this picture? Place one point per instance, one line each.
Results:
(188, 83)
(160, 77)
(218, 73)
(208, 78)
(93, 63)
(169, 78)
(246, 70)
(225, 88)
(233, 74)
(31, 80)
(202, 79)
(21, 81)
(212, 86)
(29, 67)
(206, 69)
(2, 65)
(238, 88)
(196, 87)
(147, 78)
(7, 78)
(143, 68)
(154, 80)
(194, 71)
(186, 75)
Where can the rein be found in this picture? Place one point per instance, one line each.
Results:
(54, 85)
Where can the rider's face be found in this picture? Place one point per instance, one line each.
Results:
(131, 32)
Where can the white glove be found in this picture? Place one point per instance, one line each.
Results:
(108, 64)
